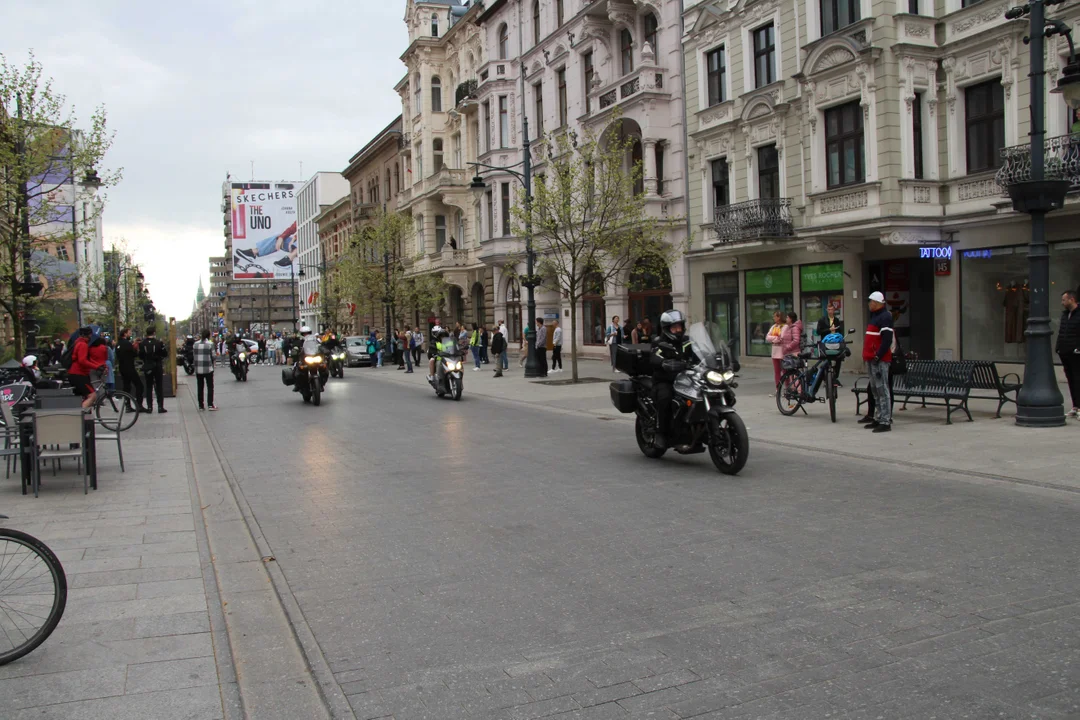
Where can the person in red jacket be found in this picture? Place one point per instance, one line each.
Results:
(877, 353)
(87, 358)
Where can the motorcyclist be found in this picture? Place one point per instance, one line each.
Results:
(671, 354)
(443, 343)
(236, 346)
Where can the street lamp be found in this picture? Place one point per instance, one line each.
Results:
(1039, 403)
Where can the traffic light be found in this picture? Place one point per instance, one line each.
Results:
(148, 312)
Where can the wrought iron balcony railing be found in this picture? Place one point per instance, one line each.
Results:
(1062, 162)
(752, 220)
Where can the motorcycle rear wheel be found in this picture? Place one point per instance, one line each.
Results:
(646, 447)
(729, 444)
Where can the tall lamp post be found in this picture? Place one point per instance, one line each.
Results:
(1037, 192)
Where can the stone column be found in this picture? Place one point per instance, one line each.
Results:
(649, 166)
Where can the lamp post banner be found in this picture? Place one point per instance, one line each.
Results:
(264, 242)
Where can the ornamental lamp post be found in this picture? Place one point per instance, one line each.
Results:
(1037, 190)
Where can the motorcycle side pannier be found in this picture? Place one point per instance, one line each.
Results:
(633, 359)
(287, 377)
(623, 396)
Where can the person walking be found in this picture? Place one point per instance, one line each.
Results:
(877, 354)
(407, 340)
(1068, 347)
(417, 345)
(204, 370)
(791, 335)
(498, 349)
(556, 347)
(524, 349)
(483, 344)
(503, 357)
(110, 365)
(777, 352)
(125, 360)
(88, 357)
(153, 351)
(613, 337)
(541, 348)
(474, 346)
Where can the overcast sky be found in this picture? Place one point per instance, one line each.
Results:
(195, 89)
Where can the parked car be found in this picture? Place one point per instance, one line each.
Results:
(356, 347)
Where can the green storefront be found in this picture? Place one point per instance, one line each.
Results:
(819, 286)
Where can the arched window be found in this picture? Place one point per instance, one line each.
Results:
(418, 95)
(536, 22)
(652, 26)
(504, 42)
(626, 50)
(436, 94)
(434, 25)
(437, 150)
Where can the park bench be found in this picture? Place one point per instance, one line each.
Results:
(986, 377)
(948, 381)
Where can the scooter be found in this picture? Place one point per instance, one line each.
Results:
(448, 375)
(239, 362)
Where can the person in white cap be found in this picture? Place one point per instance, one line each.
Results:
(877, 353)
(30, 366)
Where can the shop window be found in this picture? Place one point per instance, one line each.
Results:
(821, 285)
(716, 70)
(844, 152)
(767, 291)
(593, 310)
(722, 307)
(513, 310)
(768, 172)
(764, 56)
(836, 14)
(985, 125)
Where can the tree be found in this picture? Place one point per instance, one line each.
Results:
(45, 158)
(589, 224)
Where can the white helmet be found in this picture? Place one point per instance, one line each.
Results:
(29, 360)
(305, 330)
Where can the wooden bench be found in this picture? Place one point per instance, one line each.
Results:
(946, 380)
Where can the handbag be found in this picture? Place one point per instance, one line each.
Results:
(898, 365)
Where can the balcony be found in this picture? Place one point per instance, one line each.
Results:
(753, 220)
(465, 91)
(365, 211)
(643, 81)
(1062, 162)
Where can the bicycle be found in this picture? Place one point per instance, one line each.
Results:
(33, 593)
(799, 384)
(116, 410)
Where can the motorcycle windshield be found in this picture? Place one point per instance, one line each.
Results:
(708, 344)
(311, 346)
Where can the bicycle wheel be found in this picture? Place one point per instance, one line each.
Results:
(117, 411)
(830, 391)
(33, 593)
(789, 392)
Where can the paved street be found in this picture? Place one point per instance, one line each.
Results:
(484, 559)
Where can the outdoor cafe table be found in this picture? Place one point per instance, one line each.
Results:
(28, 454)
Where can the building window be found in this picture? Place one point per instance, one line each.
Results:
(505, 190)
(561, 78)
(397, 179)
(768, 172)
(504, 123)
(626, 48)
(558, 13)
(836, 14)
(536, 22)
(721, 180)
(418, 153)
(504, 42)
(764, 56)
(436, 94)
(437, 153)
(456, 147)
(490, 204)
(440, 232)
(913, 7)
(538, 100)
(985, 118)
(418, 95)
(388, 183)
(487, 127)
(434, 25)
(420, 235)
(716, 70)
(587, 63)
(652, 27)
(844, 152)
(969, 3)
(916, 135)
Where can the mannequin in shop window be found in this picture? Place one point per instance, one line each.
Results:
(1016, 303)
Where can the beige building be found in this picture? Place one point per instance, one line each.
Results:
(837, 148)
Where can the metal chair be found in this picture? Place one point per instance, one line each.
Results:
(62, 430)
(10, 431)
(110, 436)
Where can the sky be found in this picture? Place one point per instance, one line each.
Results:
(198, 89)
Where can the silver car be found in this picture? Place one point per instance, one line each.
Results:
(357, 352)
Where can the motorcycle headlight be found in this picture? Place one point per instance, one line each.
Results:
(719, 378)
(243, 357)
(451, 365)
(313, 359)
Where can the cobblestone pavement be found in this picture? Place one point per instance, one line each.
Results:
(487, 560)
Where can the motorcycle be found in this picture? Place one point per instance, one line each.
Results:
(309, 372)
(703, 414)
(337, 362)
(239, 364)
(448, 375)
(188, 359)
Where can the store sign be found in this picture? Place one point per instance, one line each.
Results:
(816, 278)
(767, 282)
(935, 253)
(942, 267)
(977, 254)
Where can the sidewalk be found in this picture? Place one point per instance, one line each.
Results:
(988, 447)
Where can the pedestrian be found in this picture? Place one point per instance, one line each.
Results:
(204, 370)
(1068, 347)
(417, 344)
(262, 348)
(407, 340)
(791, 335)
(613, 337)
(484, 344)
(777, 352)
(524, 349)
(57, 351)
(637, 334)
(503, 357)
(399, 350)
(556, 347)
(153, 352)
(628, 329)
(474, 346)
(126, 352)
(498, 349)
(110, 365)
(88, 357)
(462, 338)
(541, 348)
(830, 323)
(380, 347)
(877, 353)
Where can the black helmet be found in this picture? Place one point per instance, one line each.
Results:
(668, 321)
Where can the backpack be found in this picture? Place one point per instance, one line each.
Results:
(66, 358)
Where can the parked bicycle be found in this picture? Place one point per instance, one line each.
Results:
(800, 383)
(33, 593)
(116, 410)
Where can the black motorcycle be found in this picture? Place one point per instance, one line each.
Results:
(448, 374)
(703, 413)
(187, 357)
(239, 359)
(309, 372)
(337, 362)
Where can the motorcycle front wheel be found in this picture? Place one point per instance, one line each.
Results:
(243, 374)
(316, 393)
(646, 447)
(455, 388)
(729, 444)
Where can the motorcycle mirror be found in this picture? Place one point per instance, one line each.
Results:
(851, 331)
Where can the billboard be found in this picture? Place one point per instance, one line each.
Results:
(264, 240)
